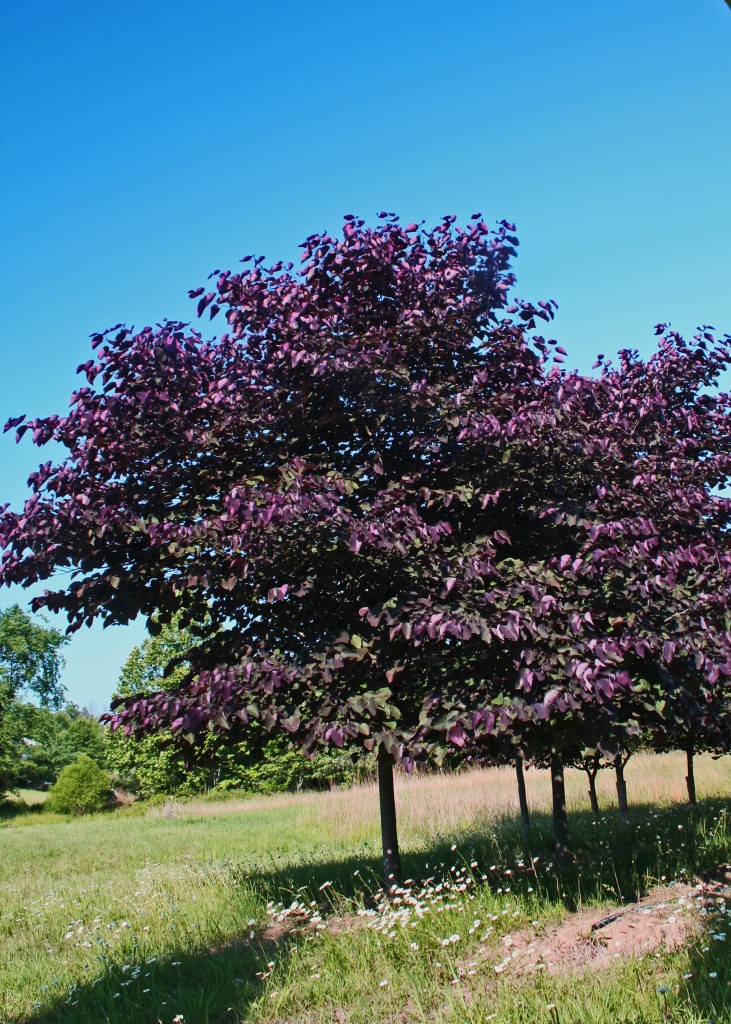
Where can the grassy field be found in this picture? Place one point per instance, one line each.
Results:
(267, 910)
(29, 797)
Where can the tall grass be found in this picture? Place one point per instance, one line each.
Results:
(449, 803)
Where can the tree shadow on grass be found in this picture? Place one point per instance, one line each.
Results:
(211, 987)
(611, 863)
(11, 809)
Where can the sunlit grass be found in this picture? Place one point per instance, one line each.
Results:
(31, 797)
(471, 796)
(133, 918)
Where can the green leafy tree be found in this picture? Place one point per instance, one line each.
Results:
(77, 732)
(54, 739)
(31, 728)
(30, 665)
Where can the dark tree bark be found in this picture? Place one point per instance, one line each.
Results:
(523, 800)
(690, 777)
(591, 775)
(392, 873)
(619, 763)
(560, 817)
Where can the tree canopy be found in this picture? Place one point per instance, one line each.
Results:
(388, 514)
(30, 656)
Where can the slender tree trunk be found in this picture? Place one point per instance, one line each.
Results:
(591, 775)
(690, 777)
(392, 873)
(560, 817)
(619, 764)
(523, 800)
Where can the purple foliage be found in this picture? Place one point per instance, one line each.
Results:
(390, 513)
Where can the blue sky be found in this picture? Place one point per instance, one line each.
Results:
(142, 145)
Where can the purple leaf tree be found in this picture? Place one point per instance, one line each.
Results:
(389, 515)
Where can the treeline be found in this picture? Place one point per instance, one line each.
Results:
(38, 743)
(41, 734)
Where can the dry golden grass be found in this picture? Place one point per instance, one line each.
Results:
(446, 803)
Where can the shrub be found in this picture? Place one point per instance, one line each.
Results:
(81, 788)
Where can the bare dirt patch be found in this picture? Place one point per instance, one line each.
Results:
(667, 918)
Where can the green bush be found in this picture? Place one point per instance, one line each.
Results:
(81, 788)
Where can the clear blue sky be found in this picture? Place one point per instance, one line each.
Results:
(145, 144)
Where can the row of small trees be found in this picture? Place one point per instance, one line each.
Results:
(38, 740)
(392, 519)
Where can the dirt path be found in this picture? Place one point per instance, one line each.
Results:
(668, 917)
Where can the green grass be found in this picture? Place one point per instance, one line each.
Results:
(133, 917)
(31, 797)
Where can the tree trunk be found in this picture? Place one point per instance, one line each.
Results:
(690, 777)
(391, 858)
(591, 775)
(523, 800)
(560, 818)
(619, 764)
